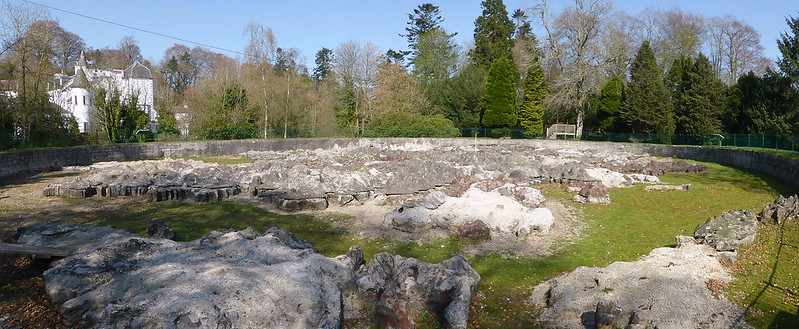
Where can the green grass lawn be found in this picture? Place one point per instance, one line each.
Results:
(632, 225)
(767, 277)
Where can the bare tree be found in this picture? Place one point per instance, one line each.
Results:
(129, 47)
(734, 48)
(618, 43)
(355, 65)
(574, 55)
(682, 35)
(260, 52)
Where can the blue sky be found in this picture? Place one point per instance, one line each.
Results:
(310, 25)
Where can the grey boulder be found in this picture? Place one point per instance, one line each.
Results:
(781, 209)
(728, 231)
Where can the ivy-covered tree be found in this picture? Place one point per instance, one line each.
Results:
(647, 105)
(179, 73)
(531, 112)
(500, 95)
(609, 106)
(493, 34)
(120, 118)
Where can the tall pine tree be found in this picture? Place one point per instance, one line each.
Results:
(531, 113)
(493, 34)
(500, 95)
(647, 107)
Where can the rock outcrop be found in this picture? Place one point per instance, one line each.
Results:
(728, 231)
(238, 279)
(781, 209)
(497, 211)
(315, 179)
(400, 289)
(669, 288)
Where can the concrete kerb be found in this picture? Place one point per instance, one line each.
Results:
(14, 163)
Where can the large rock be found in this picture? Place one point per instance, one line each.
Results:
(728, 231)
(415, 215)
(158, 229)
(499, 212)
(476, 230)
(669, 288)
(240, 279)
(609, 178)
(593, 192)
(401, 289)
(781, 209)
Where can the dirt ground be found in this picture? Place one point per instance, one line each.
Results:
(22, 202)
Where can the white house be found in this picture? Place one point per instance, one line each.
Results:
(76, 94)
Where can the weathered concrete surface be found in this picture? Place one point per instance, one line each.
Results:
(242, 279)
(669, 288)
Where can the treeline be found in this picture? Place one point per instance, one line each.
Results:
(660, 72)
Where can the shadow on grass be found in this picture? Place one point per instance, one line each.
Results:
(782, 319)
(743, 178)
(33, 177)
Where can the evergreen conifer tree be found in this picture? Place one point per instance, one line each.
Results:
(493, 34)
(788, 44)
(531, 113)
(647, 107)
(609, 107)
(500, 95)
(699, 104)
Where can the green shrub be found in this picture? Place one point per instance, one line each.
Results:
(404, 124)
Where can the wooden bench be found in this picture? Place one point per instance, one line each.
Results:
(560, 129)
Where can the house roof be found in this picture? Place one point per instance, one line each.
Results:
(82, 60)
(80, 80)
(137, 71)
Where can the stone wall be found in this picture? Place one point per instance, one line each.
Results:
(13, 163)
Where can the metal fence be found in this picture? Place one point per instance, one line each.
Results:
(760, 141)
